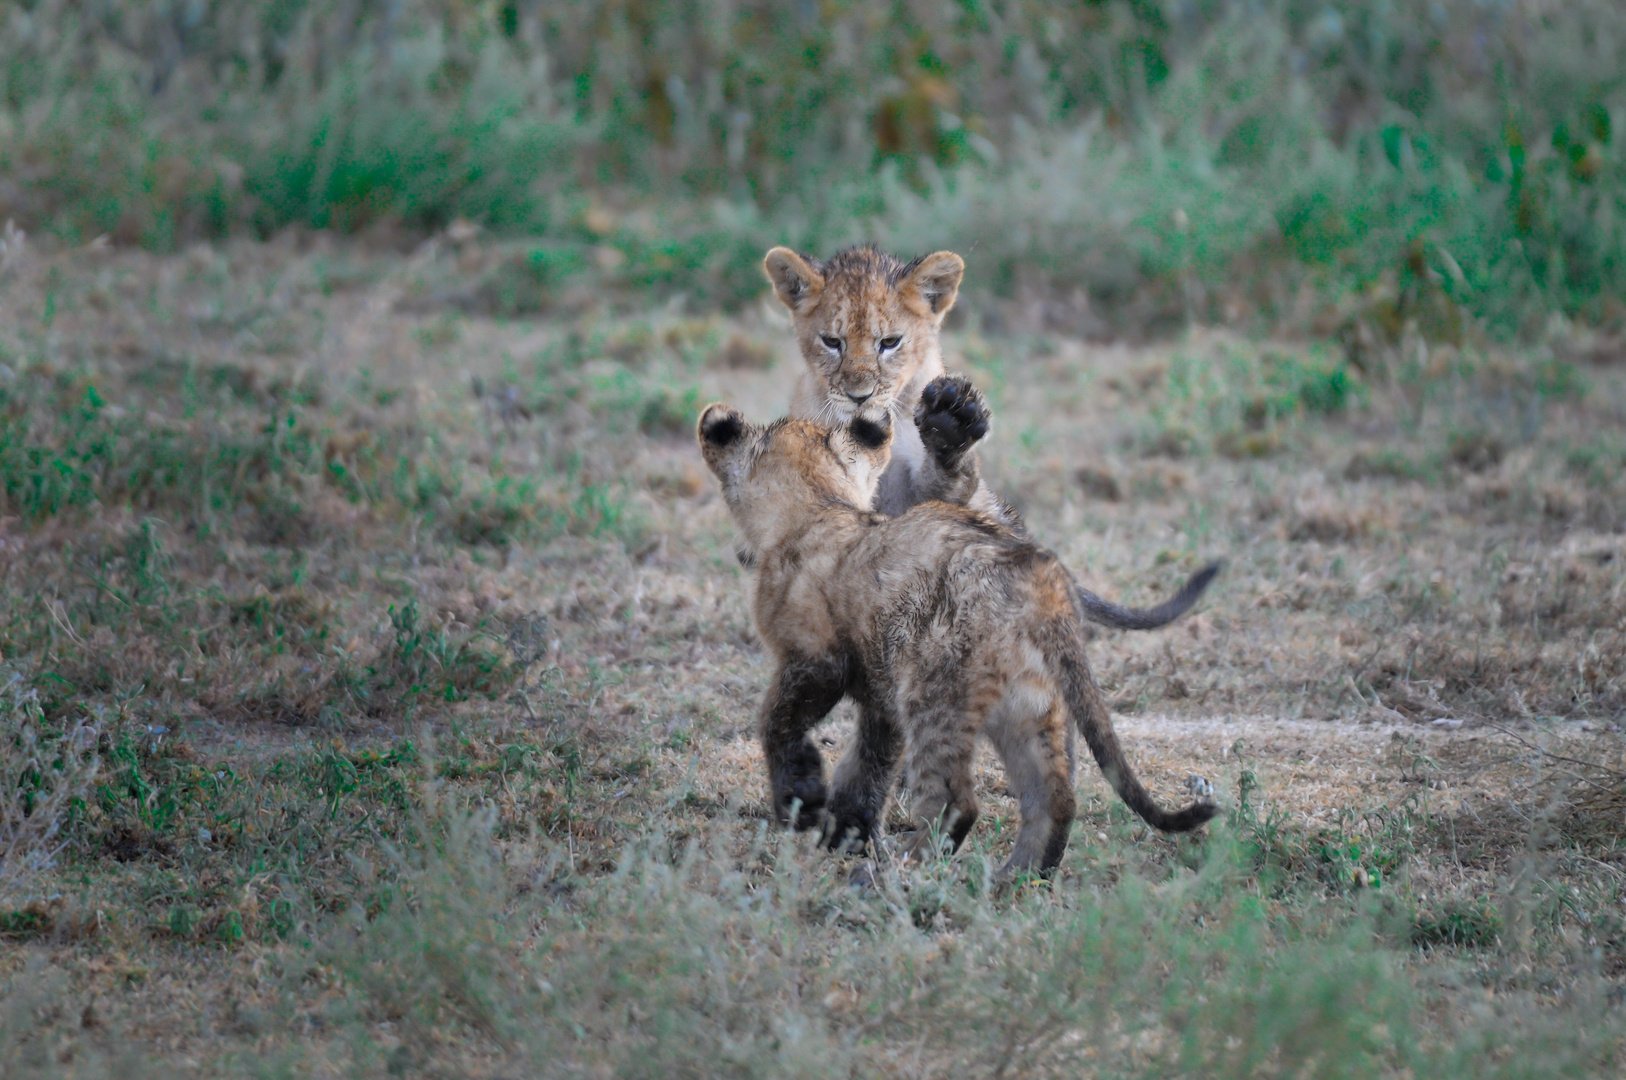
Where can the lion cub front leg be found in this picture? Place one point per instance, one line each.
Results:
(803, 692)
(952, 417)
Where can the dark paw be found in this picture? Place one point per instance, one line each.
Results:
(806, 797)
(951, 416)
(847, 828)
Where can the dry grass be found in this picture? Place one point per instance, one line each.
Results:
(42, 772)
(412, 562)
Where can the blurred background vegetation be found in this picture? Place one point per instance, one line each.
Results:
(1127, 165)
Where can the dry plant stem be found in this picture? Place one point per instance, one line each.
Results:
(1618, 775)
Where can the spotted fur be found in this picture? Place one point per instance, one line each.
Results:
(941, 623)
(863, 300)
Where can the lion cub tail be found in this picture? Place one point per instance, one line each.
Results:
(1083, 699)
(1106, 613)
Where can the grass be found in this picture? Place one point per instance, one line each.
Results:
(46, 770)
(377, 690)
(1108, 169)
(380, 700)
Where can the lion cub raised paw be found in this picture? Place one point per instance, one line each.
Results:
(952, 417)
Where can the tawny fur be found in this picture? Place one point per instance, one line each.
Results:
(863, 300)
(868, 326)
(941, 623)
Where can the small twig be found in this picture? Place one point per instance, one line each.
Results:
(1377, 702)
(61, 619)
(1615, 870)
(102, 584)
(1556, 757)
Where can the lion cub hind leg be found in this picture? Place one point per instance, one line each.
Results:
(863, 780)
(1030, 730)
(937, 771)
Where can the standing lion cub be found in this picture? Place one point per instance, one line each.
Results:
(867, 325)
(942, 623)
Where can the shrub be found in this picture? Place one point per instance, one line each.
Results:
(44, 773)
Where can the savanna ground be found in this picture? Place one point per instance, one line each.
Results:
(416, 670)
(377, 689)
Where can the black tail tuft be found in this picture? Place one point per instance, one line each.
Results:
(1109, 755)
(1183, 820)
(1106, 613)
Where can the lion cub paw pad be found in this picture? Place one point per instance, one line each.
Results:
(952, 413)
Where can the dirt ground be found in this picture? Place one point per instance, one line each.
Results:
(1421, 625)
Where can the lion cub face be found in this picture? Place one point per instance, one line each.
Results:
(865, 322)
(774, 476)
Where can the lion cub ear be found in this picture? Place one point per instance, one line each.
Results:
(871, 433)
(720, 426)
(795, 280)
(933, 281)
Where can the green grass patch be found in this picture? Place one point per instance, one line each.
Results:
(1471, 923)
(1197, 974)
(64, 446)
(1600, 464)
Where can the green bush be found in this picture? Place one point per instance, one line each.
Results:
(1325, 392)
(376, 142)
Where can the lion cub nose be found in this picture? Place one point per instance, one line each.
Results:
(860, 398)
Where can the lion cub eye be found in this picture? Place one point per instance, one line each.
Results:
(890, 343)
(831, 343)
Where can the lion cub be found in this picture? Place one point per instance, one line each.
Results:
(868, 327)
(941, 623)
